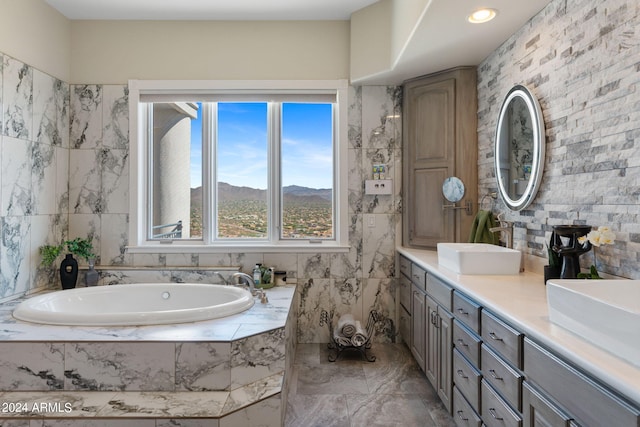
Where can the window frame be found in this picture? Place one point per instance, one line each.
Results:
(140, 174)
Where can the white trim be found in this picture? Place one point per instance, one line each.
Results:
(138, 191)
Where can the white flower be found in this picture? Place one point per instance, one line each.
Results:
(602, 236)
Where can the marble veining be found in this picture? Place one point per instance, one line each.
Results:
(17, 88)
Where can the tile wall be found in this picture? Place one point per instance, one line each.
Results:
(65, 173)
(581, 59)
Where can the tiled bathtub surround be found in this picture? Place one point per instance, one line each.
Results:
(580, 59)
(64, 173)
(202, 369)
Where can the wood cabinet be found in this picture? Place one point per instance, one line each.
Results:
(418, 325)
(439, 339)
(540, 411)
(440, 140)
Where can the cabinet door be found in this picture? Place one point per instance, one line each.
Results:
(445, 350)
(418, 326)
(432, 356)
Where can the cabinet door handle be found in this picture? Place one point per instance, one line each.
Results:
(494, 375)
(460, 415)
(464, 313)
(494, 414)
(493, 336)
(461, 374)
(461, 342)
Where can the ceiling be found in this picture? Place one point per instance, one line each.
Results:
(441, 39)
(210, 10)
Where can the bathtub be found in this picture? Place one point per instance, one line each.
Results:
(134, 305)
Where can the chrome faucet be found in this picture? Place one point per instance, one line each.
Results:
(224, 280)
(507, 228)
(248, 279)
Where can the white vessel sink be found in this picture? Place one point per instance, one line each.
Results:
(604, 312)
(478, 258)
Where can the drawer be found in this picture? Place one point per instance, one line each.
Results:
(502, 338)
(495, 411)
(405, 266)
(463, 414)
(538, 410)
(588, 402)
(419, 276)
(502, 377)
(467, 379)
(440, 291)
(467, 311)
(467, 342)
(405, 293)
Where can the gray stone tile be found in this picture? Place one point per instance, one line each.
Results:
(317, 410)
(388, 410)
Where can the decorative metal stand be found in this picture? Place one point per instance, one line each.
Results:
(326, 319)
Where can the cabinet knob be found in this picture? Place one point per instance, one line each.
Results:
(461, 374)
(461, 342)
(460, 415)
(494, 375)
(464, 313)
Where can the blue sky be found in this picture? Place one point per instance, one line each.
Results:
(242, 145)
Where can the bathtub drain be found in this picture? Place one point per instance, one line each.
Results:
(166, 295)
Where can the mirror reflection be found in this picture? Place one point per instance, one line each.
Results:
(519, 148)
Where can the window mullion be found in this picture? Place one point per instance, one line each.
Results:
(209, 179)
(273, 170)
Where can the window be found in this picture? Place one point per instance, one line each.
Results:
(224, 166)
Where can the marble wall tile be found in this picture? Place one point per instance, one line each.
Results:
(17, 95)
(379, 295)
(115, 117)
(379, 246)
(120, 366)
(203, 366)
(43, 178)
(15, 255)
(45, 229)
(31, 366)
(113, 239)
(114, 183)
(355, 116)
(85, 169)
(50, 110)
(1, 97)
(62, 180)
(380, 116)
(96, 423)
(16, 177)
(188, 422)
(86, 116)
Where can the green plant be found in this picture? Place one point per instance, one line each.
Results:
(49, 254)
(82, 248)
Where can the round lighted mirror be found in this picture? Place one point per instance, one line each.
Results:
(519, 148)
(453, 189)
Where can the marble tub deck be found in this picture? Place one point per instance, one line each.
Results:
(221, 372)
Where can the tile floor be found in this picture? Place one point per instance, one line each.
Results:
(351, 392)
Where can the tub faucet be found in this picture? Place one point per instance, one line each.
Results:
(507, 228)
(247, 279)
(224, 281)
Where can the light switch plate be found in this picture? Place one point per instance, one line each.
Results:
(378, 186)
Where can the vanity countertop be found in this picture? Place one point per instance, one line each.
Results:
(522, 300)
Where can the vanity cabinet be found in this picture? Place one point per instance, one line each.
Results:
(404, 295)
(539, 410)
(418, 325)
(585, 401)
(439, 141)
(439, 338)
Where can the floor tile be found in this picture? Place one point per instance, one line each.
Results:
(352, 392)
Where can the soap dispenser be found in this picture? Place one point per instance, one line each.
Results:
(257, 275)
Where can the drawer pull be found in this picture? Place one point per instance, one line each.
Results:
(494, 414)
(464, 313)
(461, 342)
(494, 375)
(493, 336)
(460, 373)
(460, 413)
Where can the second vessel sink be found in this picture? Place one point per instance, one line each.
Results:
(604, 312)
(478, 258)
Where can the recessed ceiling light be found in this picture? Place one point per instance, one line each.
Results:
(482, 15)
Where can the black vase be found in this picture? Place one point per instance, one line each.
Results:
(69, 272)
(551, 272)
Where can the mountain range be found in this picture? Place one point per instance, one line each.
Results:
(293, 194)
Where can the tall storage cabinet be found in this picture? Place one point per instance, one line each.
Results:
(440, 141)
